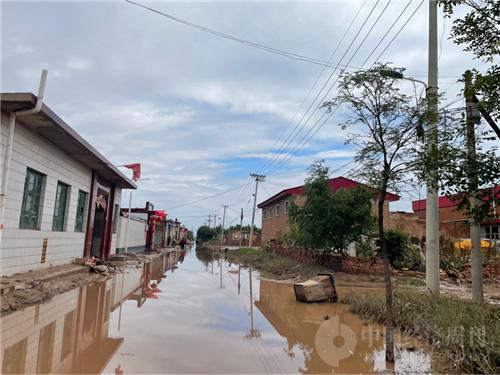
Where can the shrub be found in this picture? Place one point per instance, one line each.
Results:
(402, 253)
(451, 258)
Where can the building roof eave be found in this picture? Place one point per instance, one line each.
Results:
(335, 184)
(51, 127)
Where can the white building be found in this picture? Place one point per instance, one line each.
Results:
(62, 195)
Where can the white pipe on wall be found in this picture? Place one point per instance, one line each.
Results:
(10, 145)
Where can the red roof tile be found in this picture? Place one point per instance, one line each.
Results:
(443, 202)
(336, 183)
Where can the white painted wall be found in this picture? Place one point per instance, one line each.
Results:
(115, 236)
(26, 324)
(136, 232)
(21, 249)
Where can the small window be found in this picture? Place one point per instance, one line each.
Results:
(32, 198)
(286, 207)
(116, 215)
(264, 213)
(270, 213)
(277, 210)
(80, 211)
(60, 207)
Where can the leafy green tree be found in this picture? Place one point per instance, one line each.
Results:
(454, 165)
(329, 221)
(472, 181)
(478, 32)
(205, 233)
(384, 123)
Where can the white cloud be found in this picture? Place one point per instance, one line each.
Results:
(190, 106)
(78, 63)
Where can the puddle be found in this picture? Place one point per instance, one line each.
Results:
(203, 317)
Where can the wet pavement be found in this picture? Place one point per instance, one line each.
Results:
(196, 320)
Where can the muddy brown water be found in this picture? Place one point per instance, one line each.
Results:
(198, 320)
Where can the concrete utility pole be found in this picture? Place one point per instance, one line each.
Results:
(258, 178)
(241, 226)
(432, 209)
(215, 221)
(222, 226)
(209, 220)
(472, 118)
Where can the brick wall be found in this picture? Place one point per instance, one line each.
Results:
(336, 262)
(491, 270)
(408, 222)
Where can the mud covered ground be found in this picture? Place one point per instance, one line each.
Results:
(275, 266)
(22, 290)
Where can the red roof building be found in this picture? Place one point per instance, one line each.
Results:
(455, 223)
(275, 209)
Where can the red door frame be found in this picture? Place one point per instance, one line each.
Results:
(99, 182)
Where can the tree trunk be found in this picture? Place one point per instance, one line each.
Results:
(389, 335)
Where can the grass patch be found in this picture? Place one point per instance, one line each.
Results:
(409, 282)
(465, 335)
(272, 264)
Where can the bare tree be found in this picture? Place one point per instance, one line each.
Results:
(385, 123)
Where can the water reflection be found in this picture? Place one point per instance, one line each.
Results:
(328, 337)
(198, 322)
(70, 334)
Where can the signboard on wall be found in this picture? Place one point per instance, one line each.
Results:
(44, 250)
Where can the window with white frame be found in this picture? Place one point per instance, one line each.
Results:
(277, 210)
(286, 207)
(270, 212)
(491, 232)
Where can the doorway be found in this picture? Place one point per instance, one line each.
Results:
(98, 236)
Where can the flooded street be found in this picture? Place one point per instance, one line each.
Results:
(196, 321)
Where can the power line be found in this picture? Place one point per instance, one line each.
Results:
(290, 55)
(333, 111)
(387, 32)
(325, 84)
(205, 198)
(270, 161)
(305, 139)
(399, 31)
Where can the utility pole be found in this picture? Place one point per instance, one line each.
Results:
(222, 226)
(241, 226)
(258, 178)
(209, 220)
(472, 118)
(432, 209)
(215, 221)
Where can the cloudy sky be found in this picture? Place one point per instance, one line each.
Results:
(201, 112)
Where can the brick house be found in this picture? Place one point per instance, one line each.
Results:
(275, 209)
(232, 237)
(62, 195)
(455, 224)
